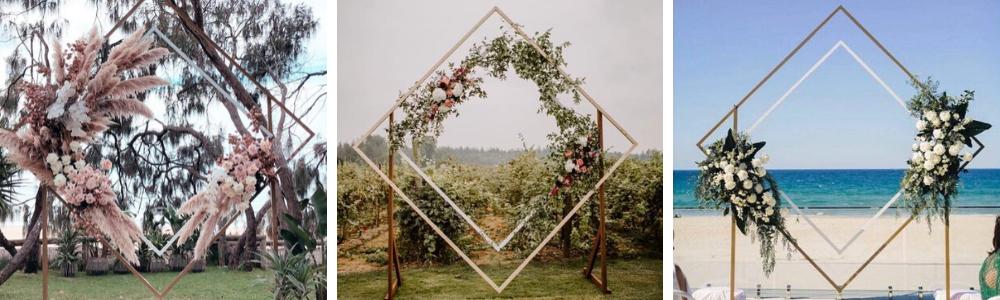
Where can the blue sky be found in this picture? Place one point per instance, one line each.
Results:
(839, 117)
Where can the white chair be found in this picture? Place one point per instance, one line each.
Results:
(717, 293)
(958, 295)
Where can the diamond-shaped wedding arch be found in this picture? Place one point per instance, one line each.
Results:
(732, 114)
(182, 16)
(388, 115)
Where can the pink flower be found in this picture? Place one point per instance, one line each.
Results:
(579, 162)
(105, 164)
(568, 153)
(449, 103)
(445, 80)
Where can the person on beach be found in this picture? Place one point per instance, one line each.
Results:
(989, 281)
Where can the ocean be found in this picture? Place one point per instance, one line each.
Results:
(851, 190)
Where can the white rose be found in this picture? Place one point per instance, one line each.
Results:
(52, 158)
(747, 184)
(955, 149)
(66, 159)
(457, 89)
(250, 180)
(752, 198)
(765, 158)
(59, 181)
(921, 125)
(758, 188)
(929, 165)
(755, 162)
(569, 166)
(56, 168)
(939, 149)
(730, 185)
(924, 146)
(729, 169)
(935, 123)
(581, 140)
(945, 116)
(938, 133)
(742, 174)
(769, 212)
(930, 115)
(80, 164)
(967, 156)
(438, 94)
(768, 197)
(75, 146)
(761, 172)
(769, 201)
(238, 187)
(444, 109)
(928, 180)
(917, 158)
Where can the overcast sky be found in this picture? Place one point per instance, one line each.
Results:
(384, 46)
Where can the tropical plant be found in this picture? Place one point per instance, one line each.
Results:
(295, 277)
(67, 256)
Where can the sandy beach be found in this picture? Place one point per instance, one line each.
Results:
(915, 258)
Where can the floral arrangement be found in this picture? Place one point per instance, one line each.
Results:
(939, 153)
(429, 107)
(74, 104)
(575, 152)
(231, 186)
(581, 157)
(734, 179)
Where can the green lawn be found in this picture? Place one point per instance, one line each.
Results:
(630, 279)
(214, 283)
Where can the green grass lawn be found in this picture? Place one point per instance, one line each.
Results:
(629, 279)
(214, 283)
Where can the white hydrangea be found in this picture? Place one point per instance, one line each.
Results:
(438, 94)
(945, 115)
(457, 89)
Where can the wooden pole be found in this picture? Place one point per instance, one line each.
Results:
(45, 243)
(732, 227)
(600, 190)
(947, 253)
(273, 229)
(392, 265)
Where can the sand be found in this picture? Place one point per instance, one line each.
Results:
(915, 258)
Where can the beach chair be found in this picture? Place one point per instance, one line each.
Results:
(958, 295)
(717, 293)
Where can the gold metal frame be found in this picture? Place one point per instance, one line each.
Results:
(733, 113)
(604, 115)
(271, 100)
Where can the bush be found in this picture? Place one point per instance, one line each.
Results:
(417, 241)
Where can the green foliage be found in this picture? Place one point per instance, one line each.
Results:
(361, 198)
(417, 241)
(635, 208)
(67, 254)
(295, 277)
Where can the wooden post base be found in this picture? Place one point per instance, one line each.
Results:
(599, 251)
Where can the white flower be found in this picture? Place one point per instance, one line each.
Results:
(80, 164)
(569, 166)
(917, 158)
(66, 159)
(938, 133)
(935, 123)
(939, 149)
(56, 168)
(768, 197)
(752, 199)
(74, 146)
(457, 89)
(742, 174)
(77, 117)
(930, 115)
(438, 94)
(967, 156)
(58, 107)
(955, 149)
(769, 200)
(916, 147)
(921, 125)
(769, 212)
(758, 188)
(928, 180)
(52, 158)
(238, 187)
(945, 115)
(729, 169)
(924, 146)
(59, 181)
(243, 206)
(929, 165)
(764, 159)
(747, 184)
(250, 180)
(761, 172)
(581, 140)
(444, 109)
(730, 185)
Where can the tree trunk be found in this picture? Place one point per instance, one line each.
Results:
(7, 245)
(30, 240)
(247, 244)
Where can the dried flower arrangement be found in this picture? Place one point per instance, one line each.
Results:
(74, 104)
(231, 186)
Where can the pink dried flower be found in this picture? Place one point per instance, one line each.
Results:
(105, 164)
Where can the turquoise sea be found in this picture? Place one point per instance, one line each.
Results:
(853, 190)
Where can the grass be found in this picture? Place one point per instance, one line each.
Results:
(214, 283)
(629, 279)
